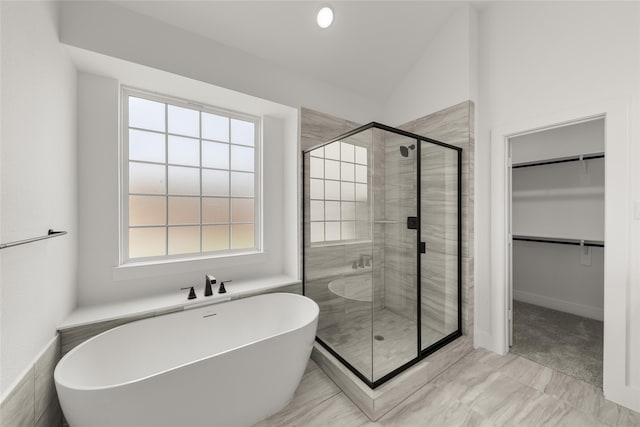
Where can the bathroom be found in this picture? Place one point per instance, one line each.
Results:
(498, 68)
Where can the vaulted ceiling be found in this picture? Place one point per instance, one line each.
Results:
(369, 48)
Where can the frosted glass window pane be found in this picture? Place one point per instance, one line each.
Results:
(184, 121)
(318, 152)
(242, 159)
(361, 155)
(184, 151)
(184, 240)
(184, 210)
(242, 210)
(332, 151)
(317, 210)
(184, 180)
(348, 191)
(332, 190)
(362, 212)
(361, 192)
(146, 242)
(215, 155)
(346, 152)
(242, 236)
(242, 132)
(347, 172)
(348, 211)
(215, 210)
(146, 146)
(215, 127)
(332, 211)
(147, 210)
(146, 114)
(361, 173)
(242, 184)
(331, 169)
(317, 231)
(215, 183)
(317, 189)
(348, 230)
(215, 238)
(316, 168)
(332, 231)
(146, 178)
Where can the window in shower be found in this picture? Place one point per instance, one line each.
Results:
(339, 209)
(190, 177)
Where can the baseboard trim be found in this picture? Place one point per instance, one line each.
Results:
(560, 305)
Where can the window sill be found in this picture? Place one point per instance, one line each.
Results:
(137, 270)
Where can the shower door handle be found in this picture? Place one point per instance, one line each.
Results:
(412, 222)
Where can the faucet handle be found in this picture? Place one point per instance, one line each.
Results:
(192, 292)
(221, 289)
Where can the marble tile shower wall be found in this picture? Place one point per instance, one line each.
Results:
(454, 126)
(325, 263)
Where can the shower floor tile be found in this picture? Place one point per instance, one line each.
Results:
(353, 339)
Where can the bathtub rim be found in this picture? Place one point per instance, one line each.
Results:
(56, 376)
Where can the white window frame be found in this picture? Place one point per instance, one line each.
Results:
(124, 258)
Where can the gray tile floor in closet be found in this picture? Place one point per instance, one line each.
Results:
(567, 343)
(482, 389)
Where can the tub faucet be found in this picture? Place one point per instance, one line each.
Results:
(209, 280)
(365, 260)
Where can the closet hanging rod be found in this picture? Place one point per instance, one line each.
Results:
(49, 235)
(559, 160)
(573, 242)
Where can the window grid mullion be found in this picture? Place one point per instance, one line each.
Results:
(166, 178)
(229, 212)
(200, 173)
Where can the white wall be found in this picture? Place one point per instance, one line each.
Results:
(38, 182)
(100, 278)
(106, 28)
(564, 141)
(443, 76)
(544, 58)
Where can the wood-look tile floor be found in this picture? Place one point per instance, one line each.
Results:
(482, 389)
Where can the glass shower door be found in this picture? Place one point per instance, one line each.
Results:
(440, 221)
(395, 326)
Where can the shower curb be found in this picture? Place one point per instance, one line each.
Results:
(376, 403)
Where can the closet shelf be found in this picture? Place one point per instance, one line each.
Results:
(560, 192)
(559, 160)
(559, 241)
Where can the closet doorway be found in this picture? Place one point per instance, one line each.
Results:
(556, 256)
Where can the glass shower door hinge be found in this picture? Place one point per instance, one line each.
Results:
(423, 248)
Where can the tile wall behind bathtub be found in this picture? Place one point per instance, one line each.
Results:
(34, 402)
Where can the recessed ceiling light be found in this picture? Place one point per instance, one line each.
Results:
(325, 17)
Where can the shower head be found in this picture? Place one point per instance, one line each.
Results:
(404, 151)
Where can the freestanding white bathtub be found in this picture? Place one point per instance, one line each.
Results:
(228, 364)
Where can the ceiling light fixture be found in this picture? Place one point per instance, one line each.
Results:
(325, 17)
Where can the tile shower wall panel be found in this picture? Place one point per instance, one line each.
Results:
(454, 126)
(400, 176)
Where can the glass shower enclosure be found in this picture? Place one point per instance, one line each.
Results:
(381, 250)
